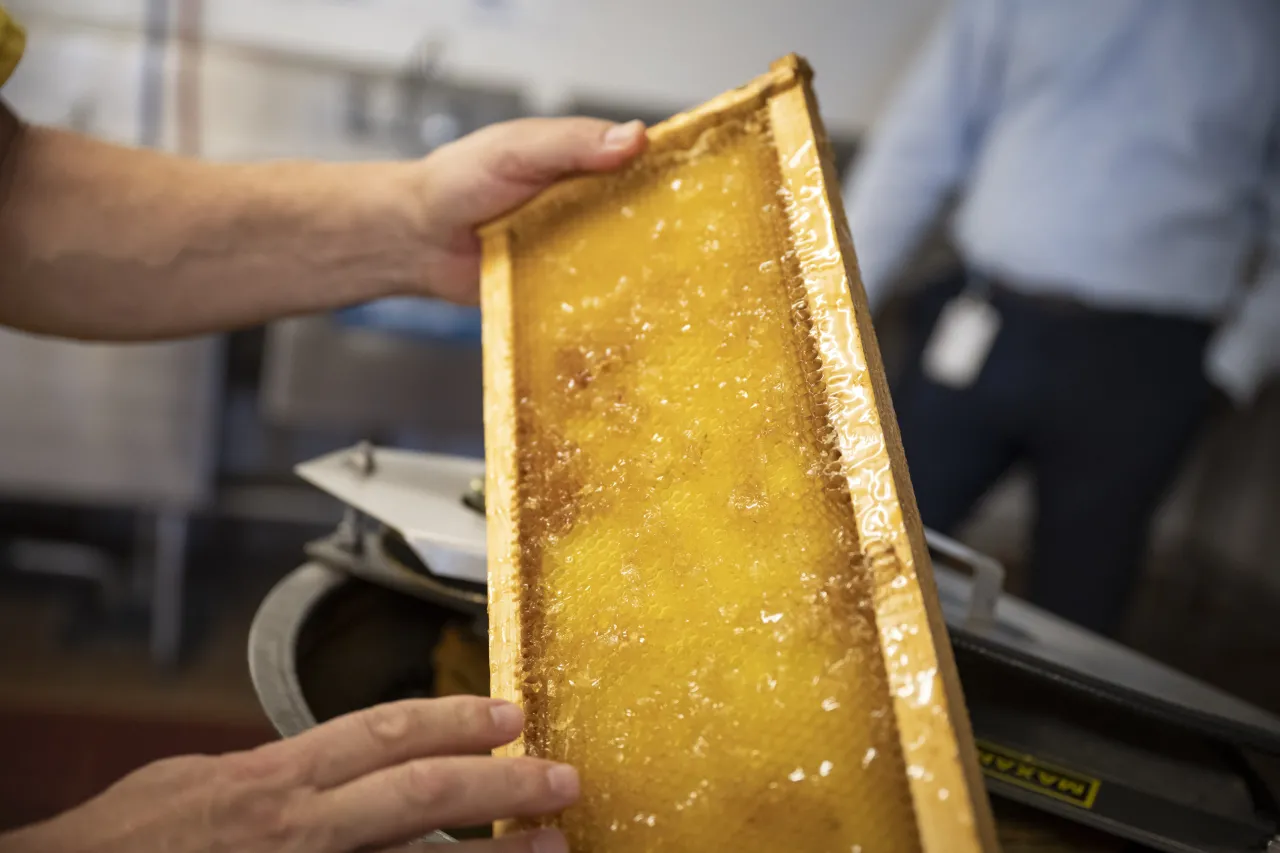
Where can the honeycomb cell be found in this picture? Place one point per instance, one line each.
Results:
(693, 607)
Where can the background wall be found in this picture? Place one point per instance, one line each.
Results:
(273, 67)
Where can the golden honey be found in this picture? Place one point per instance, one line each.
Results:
(693, 545)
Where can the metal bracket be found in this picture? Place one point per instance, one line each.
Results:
(988, 576)
(417, 495)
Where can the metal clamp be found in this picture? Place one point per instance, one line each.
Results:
(988, 576)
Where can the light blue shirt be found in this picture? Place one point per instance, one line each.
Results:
(1122, 152)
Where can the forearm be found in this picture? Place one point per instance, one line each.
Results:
(103, 242)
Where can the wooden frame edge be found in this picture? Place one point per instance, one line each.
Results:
(506, 669)
(852, 372)
(502, 534)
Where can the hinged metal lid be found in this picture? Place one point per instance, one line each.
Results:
(418, 495)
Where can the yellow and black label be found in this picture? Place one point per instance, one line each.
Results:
(1037, 776)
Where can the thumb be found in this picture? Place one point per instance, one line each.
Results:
(540, 151)
(494, 170)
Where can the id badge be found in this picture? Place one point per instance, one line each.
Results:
(961, 341)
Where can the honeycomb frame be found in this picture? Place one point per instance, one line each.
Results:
(951, 811)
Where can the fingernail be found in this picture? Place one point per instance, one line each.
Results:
(549, 841)
(507, 718)
(564, 781)
(623, 135)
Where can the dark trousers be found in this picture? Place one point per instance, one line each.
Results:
(1102, 406)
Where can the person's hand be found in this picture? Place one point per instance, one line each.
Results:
(494, 170)
(368, 781)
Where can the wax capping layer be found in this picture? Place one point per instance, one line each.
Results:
(708, 583)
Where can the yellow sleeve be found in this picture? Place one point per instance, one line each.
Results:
(12, 40)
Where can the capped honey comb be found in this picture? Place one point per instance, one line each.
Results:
(708, 585)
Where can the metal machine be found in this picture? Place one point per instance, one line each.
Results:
(131, 426)
(1067, 722)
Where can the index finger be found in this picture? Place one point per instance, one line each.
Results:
(358, 744)
(414, 798)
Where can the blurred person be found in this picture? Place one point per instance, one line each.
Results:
(100, 242)
(1114, 165)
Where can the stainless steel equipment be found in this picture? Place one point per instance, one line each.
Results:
(131, 426)
(1067, 722)
(126, 425)
(324, 644)
(323, 372)
(318, 373)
